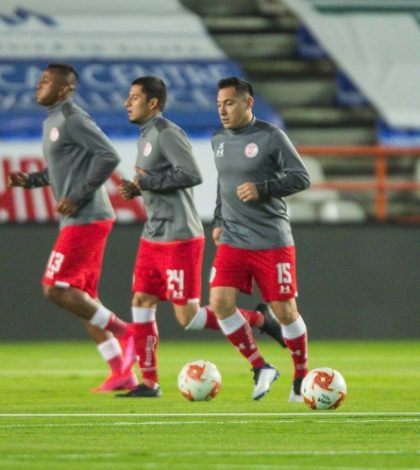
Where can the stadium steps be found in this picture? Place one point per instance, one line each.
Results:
(283, 68)
(244, 46)
(249, 24)
(227, 8)
(261, 35)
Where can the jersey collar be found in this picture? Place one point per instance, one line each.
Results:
(241, 130)
(146, 126)
(57, 106)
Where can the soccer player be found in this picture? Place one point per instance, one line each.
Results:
(169, 258)
(257, 167)
(79, 160)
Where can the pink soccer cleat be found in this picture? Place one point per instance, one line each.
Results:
(126, 381)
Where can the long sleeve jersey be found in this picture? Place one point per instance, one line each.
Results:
(79, 160)
(170, 172)
(258, 153)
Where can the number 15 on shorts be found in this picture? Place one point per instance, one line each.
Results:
(284, 277)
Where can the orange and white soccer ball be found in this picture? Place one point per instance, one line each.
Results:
(199, 380)
(324, 389)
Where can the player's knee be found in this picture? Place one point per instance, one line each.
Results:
(52, 293)
(183, 320)
(143, 300)
(286, 311)
(221, 304)
(184, 314)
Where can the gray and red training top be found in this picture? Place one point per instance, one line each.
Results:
(165, 154)
(259, 153)
(80, 158)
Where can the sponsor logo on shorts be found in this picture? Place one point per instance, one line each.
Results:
(285, 289)
(54, 134)
(251, 150)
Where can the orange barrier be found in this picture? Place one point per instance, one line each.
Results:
(379, 183)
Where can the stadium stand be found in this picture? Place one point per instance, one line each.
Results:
(318, 102)
(263, 37)
(324, 205)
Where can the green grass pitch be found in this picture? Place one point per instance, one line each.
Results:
(50, 420)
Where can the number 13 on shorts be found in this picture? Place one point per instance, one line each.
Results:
(54, 264)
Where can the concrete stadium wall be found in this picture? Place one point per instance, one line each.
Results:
(354, 282)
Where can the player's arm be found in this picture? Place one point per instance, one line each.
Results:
(183, 173)
(292, 176)
(28, 180)
(128, 189)
(217, 218)
(104, 158)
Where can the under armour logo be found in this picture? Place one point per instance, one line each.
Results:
(220, 152)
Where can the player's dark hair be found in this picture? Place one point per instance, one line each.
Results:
(153, 87)
(67, 72)
(241, 86)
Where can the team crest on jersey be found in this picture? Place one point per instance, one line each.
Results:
(147, 149)
(251, 150)
(54, 134)
(220, 152)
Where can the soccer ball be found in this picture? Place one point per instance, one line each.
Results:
(323, 389)
(199, 380)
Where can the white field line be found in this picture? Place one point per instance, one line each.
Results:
(144, 423)
(313, 414)
(55, 372)
(194, 422)
(216, 453)
(295, 452)
(210, 453)
(401, 372)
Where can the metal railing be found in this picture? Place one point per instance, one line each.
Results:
(379, 184)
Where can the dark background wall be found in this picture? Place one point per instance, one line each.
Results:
(354, 282)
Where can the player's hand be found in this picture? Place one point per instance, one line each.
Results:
(17, 178)
(247, 192)
(127, 189)
(67, 207)
(216, 234)
(141, 171)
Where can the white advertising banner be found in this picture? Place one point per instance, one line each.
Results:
(110, 44)
(38, 205)
(103, 28)
(377, 44)
(96, 7)
(204, 194)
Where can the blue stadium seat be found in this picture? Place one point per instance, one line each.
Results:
(308, 47)
(397, 137)
(347, 94)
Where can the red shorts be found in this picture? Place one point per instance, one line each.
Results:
(76, 259)
(170, 270)
(274, 271)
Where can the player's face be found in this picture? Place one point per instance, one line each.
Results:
(235, 110)
(50, 88)
(139, 109)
